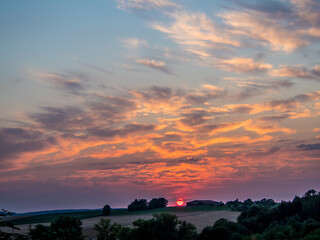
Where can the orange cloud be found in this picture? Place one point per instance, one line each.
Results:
(265, 129)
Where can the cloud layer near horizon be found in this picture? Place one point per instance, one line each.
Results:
(180, 140)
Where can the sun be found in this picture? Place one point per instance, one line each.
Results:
(180, 202)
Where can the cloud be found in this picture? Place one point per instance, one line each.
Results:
(151, 63)
(145, 4)
(209, 92)
(196, 32)
(294, 102)
(240, 108)
(194, 118)
(252, 89)
(124, 131)
(14, 141)
(170, 139)
(278, 25)
(275, 118)
(155, 93)
(91, 66)
(135, 42)
(308, 10)
(309, 147)
(222, 127)
(291, 107)
(263, 129)
(264, 153)
(71, 82)
(212, 87)
(157, 99)
(243, 65)
(67, 119)
(155, 127)
(297, 72)
(281, 25)
(271, 7)
(278, 34)
(110, 109)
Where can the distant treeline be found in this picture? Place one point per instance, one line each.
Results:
(298, 219)
(237, 205)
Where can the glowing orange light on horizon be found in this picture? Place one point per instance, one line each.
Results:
(180, 202)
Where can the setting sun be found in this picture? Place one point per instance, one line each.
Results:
(180, 202)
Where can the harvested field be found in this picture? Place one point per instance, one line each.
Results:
(199, 218)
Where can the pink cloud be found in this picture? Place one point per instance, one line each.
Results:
(243, 65)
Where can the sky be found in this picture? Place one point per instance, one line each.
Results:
(105, 101)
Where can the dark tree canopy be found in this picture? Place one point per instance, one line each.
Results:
(106, 210)
(107, 231)
(63, 228)
(136, 205)
(158, 203)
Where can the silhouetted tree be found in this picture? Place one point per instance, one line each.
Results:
(106, 210)
(265, 202)
(187, 231)
(248, 202)
(163, 226)
(63, 228)
(41, 232)
(310, 193)
(67, 228)
(140, 204)
(158, 203)
(106, 230)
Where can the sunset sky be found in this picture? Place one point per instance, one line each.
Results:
(106, 101)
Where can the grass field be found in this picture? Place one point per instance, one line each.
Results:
(198, 216)
(45, 218)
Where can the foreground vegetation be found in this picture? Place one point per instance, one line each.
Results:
(263, 220)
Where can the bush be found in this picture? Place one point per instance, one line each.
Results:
(107, 231)
(163, 226)
(40, 232)
(12, 235)
(64, 228)
(67, 228)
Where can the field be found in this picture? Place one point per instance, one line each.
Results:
(44, 218)
(199, 216)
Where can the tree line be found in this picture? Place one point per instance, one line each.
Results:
(143, 204)
(298, 219)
